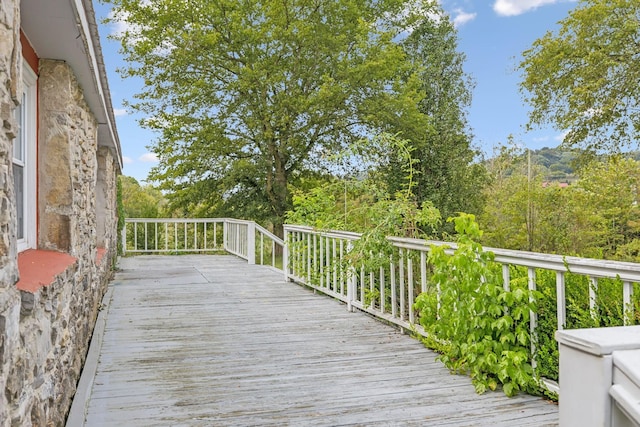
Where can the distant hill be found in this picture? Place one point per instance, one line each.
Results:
(558, 165)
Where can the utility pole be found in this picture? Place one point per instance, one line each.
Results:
(529, 204)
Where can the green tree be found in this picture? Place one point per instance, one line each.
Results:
(610, 189)
(248, 96)
(584, 78)
(140, 201)
(369, 208)
(445, 172)
(596, 216)
(526, 213)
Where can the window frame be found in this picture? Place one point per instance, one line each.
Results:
(28, 140)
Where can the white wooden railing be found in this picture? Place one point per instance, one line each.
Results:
(245, 239)
(317, 259)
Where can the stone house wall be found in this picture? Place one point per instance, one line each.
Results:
(45, 331)
(9, 79)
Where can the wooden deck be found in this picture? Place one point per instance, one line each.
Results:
(212, 341)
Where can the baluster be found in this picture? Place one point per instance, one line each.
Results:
(423, 271)
(304, 255)
(506, 277)
(561, 300)
(593, 302)
(394, 310)
(533, 316)
(402, 291)
(185, 235)
(410, 287)
(166, 236)
(341, 267)
(261, 248)
(321, 244)
(308, 258)
(382, 290)
(627, 293)
(362, 285)
(328, 261)
(195, 236)
(204, 237)
(371, 289)
(315, 256)
(175, 236)
(334, 265)
(351, 277)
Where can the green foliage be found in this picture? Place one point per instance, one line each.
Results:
(317, 208)
(248, 97)
(487, 327)
(140, 201)
(584, 77)
(446, 173)
(596, 216)
(371, 210)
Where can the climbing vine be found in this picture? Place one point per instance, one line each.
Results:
(486, 327)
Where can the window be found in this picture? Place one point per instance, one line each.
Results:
(24, 161)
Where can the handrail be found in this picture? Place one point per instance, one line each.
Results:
(242, 238)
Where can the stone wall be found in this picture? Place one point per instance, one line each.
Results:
(44, 334)
(9, 79)
(9, 296)
(106, 201)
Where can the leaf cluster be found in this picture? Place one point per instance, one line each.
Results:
(583, 78)
(486, 327)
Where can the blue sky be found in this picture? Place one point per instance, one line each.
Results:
(491, 33)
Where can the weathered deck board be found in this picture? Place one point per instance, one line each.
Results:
(211, 341)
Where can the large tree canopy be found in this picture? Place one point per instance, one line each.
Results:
(584, 78)
(248, 95)
(250, 98)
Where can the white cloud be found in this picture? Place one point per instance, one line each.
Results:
(541, 139)
(149, 158)
(127, 160)
(460, 17)
(560, 138)
(518, 7)
(118, 24)
(119, 112)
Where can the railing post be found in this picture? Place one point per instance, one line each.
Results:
(124, 238)
(586, 372)
(225, 234)
(251, 242)
(285, 254)
(352, 276)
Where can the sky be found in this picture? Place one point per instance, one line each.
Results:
(491, 33)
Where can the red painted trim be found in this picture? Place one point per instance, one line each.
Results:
(39, 268)
(29, 53)
(31, 57)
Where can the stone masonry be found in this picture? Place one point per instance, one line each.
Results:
(44, 335)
